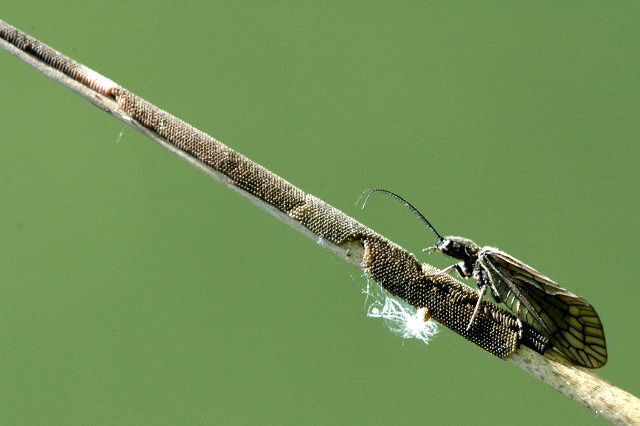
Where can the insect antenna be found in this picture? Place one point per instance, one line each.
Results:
(407, 204)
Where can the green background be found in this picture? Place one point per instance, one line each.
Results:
(133, 288)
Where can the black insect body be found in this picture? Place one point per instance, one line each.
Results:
(568, 320)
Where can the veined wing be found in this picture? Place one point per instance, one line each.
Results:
(570, 321)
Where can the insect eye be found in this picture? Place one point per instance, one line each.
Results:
(444, 244)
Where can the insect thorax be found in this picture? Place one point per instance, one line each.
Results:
(462, 249)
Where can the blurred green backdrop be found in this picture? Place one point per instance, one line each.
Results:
(135, 289)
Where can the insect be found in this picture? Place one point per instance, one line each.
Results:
(569, 321)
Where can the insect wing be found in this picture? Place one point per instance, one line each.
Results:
(569, 320)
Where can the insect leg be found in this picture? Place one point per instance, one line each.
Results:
(430, 250)
(445, 270)
(481, 290)
(482, 281)
(483, 277)
(520, 328)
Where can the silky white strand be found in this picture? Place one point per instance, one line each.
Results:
(400, 317)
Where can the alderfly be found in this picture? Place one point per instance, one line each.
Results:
(568, 320)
